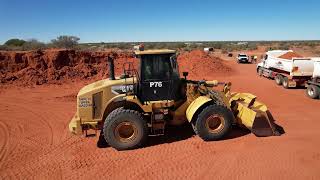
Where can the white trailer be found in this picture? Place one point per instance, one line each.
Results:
(313, 90)
(291, 72)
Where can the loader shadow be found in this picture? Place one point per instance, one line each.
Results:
(236, 132)
(178, 133)
(172, 134)
(184, 132)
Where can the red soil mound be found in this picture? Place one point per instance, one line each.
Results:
(201, 65)
(59, 66)
(52, 66)
(289, 55)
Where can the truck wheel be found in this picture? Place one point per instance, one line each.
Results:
(213, 123)
(125, 129)
(260, 72)
(285, 82)
(279, 79)
(313, 91)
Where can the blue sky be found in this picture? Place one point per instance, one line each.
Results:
(160, 20)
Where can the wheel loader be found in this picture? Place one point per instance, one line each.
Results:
(143, 101)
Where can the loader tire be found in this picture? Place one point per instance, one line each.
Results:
(125, 129)
(213, 122)
(279, 79)
(285, 82)
(313, 91)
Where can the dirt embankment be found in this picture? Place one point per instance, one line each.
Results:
(60, 66)
(57, 66)
(201, 65)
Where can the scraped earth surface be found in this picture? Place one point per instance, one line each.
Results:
(35, 142)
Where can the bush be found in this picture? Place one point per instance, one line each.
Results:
(65, 41)
(14, 42)
(33, 44)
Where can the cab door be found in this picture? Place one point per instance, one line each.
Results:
(157, 78)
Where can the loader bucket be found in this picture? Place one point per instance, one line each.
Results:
(252, 114)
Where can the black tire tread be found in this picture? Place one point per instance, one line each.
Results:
(209, 137)
(110, 118)
(316, 90)
(285, 79)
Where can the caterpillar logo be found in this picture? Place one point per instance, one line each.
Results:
(122, 89)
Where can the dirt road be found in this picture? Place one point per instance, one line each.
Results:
(35, 142)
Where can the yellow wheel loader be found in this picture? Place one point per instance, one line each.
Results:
(142, 102)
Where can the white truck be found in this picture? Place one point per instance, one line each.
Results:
(242, 58)
(313, 90)
(286, 67)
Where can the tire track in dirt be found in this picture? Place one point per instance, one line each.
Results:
(4, 142)
(38, 116)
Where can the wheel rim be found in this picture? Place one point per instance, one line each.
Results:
(125, 131)
(215, 123)
(310, 92)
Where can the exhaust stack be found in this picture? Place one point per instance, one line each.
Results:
(111, 68)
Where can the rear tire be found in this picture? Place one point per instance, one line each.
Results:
(213, 122)
(313, 91)
(279, 79)
(125, 129)
(285, 82)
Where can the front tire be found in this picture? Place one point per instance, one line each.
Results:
(125, 129)
(213, 122)
(313, 91)
(260, 72)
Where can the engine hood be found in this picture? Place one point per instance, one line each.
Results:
(102, 84)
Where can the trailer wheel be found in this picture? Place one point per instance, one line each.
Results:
(213, 122)
(285, 82)
(125, 129)
(279, 79)
(313, 91)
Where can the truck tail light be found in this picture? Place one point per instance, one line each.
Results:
(295, 69)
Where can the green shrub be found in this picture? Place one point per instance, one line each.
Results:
(14, 42)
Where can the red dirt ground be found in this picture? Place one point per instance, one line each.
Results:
(35, 142)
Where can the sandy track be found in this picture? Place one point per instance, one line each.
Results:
(35, 142)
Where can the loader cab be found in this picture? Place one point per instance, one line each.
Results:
(159, 75)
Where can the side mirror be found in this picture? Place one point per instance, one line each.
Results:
(185, 74)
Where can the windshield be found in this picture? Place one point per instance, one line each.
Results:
(242, 55)
(159, 67)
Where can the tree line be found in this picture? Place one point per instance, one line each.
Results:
(68, 42)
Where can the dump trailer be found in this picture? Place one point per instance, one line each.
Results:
(313, 85)
(286, 69)
(143, 101)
